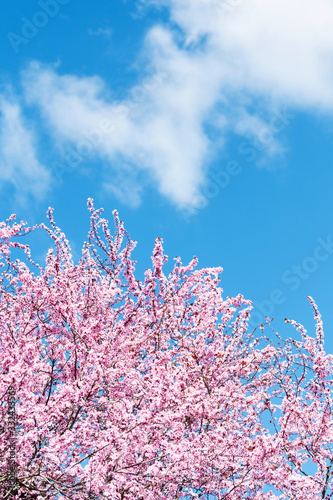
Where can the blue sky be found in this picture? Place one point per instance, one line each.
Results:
(205, 122)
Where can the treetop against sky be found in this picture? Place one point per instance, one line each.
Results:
(206, 124)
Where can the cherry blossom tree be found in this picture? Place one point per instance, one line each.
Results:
(151, 390)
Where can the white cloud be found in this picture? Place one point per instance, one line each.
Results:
(275, 48)
(234, 64)
(19, 165)
(158, 129)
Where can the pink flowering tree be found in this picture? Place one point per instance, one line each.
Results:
(129, 390)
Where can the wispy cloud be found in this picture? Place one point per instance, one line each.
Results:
(19, 165)
(156, 130)
(273, 49)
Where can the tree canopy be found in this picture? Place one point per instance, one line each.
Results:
(152, 390)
